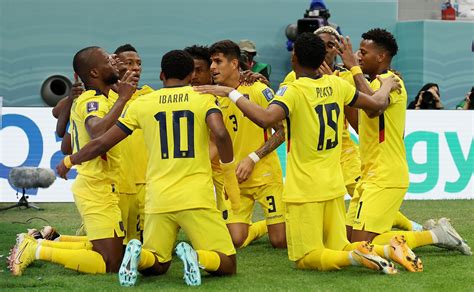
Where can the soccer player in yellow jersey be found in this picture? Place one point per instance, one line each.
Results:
(350, 158)
(94, 187)
(134, 155)
(384, 179)
(314, 188)
(175, 121)
(259, 171)
(202, 76)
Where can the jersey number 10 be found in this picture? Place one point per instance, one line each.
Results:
(178, 152)
(332, 123)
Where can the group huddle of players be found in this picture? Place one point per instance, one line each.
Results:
(197, 154)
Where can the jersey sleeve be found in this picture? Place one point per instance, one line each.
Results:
(349, 92)
(211, 105)
(95, 106)
(262, 94)
(128, 119)
(286, 97)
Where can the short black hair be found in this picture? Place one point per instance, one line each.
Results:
(199, 53)
(383, 39)
(228, 48)
(125, 48)
(82, 62)
(177, 64)
(309, 50)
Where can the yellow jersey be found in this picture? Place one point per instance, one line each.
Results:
(176, 134)
(103, 168)
(247, 136)
(314, 122)
(134, 155)
(350, 150)
(382, 148)
(290, 77)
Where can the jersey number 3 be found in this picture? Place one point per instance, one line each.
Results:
(331, 122)
(177, 116)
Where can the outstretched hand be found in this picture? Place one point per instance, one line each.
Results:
(248, 77)
(393, 82)
(214, 89)
(346, 53)
(127, 85)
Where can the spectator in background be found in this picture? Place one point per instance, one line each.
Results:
(427, 98)
(468, 102)
(248, 47)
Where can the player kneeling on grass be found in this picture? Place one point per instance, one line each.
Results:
(175, 121)
(314, 189)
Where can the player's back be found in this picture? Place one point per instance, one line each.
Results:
(103, 168)
(314, 109)
(176, 134)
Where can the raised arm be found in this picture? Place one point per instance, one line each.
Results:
(97, 126)
(94, 148)
(265, 118)
(379, 101)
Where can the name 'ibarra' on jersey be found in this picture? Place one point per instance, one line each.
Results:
(323, 91)
(171, 98)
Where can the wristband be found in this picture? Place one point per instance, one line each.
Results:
(356, 70)
(234, 95)
(67, 161)
(254, 157)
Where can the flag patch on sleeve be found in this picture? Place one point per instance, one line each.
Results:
(281, 90)
(267, 92)
(92, 106)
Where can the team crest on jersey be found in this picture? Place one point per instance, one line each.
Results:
(281, 90)
(267, 92)
(92, 106)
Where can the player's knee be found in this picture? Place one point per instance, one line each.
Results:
(278, 240)
(238, 240)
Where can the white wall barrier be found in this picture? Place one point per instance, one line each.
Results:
(439, 151)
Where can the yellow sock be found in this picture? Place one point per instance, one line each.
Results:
(66, 245)
(209, 260)
(402, 222)
(81, 260)
(324, 260)
(256, 230)
(147, 259)
(381, 250)
(72, 238)
(351, 246)
(414, 238)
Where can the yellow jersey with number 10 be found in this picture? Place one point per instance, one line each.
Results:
(176, 134)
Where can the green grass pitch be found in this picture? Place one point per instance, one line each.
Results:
(260, 267)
